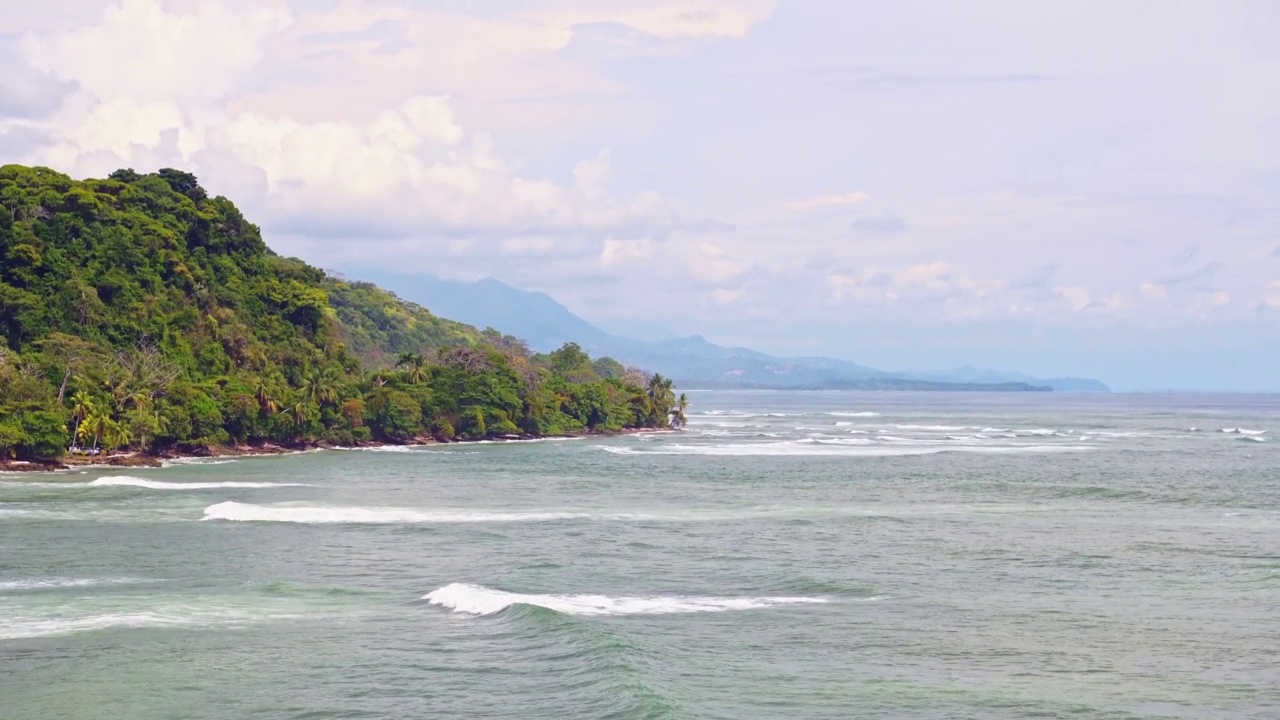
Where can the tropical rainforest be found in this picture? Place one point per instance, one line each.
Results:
(138, 313)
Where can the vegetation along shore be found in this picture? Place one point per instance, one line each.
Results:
(142, 319)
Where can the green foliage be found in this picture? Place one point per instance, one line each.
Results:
(40, 434)
(137, 312)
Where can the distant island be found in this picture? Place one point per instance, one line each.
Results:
(885, 384)
(139, 314)
(694, 362)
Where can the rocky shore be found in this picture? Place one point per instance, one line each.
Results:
(138, 459)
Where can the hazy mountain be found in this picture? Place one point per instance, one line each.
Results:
(692, 361)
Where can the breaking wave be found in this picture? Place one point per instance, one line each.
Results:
(127, 481)
(480, 600)
(63, 583)
(813, 447)
(319, 515)
(197, 462)
(25, 625)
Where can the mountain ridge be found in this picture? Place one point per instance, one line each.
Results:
(137, 312)
(693, 361)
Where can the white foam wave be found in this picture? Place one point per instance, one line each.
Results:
(1242, 431)
(854, 414)
(59, 583)
(15, 628)
(127, 481)
(318, 515)
(197, 462)
(20, 625)
(812, 447)
(314, 514)
(38, 484)
(1253, 438)
(931, 428)
(480, 600)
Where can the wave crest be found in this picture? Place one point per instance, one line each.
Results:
(480, 600)
(814, 447)
(128, 481)
(319, 515)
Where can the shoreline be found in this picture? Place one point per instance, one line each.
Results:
(135, 459)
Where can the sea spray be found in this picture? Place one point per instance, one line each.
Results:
(128, 481)
(480, 600)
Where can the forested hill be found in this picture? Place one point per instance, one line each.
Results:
(137, 312)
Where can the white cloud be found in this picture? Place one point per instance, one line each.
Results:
(138, 50)
(408, 170)
(621, 252)
(820, 201)
(569, 141)
(1271, 297)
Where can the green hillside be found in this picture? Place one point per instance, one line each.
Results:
(137, 312)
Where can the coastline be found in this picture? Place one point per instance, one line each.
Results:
(137, 459)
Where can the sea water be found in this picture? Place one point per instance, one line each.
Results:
(788, 555)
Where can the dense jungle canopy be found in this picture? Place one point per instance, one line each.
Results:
(138, 312)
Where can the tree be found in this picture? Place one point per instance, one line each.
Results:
(416, 367)
(319, 386)
(82, 406)
(164, 316)
(678, 411)
(70, 354)
(44, 435)
(661, 396)
(265, 397)
(93, 426)
(114, 435)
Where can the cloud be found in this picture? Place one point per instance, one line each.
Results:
(410, 170)
(170, 57)
(1041, 279)
(883, 224)
(596, 149)
(1271, 296)
(1203, 272)
(18, 141)
(1187, 255)
(620, 252)
(821, 201)
(29, 94)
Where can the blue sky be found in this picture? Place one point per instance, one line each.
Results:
(1055, 187)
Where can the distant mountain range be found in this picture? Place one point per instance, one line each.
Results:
(692, 361)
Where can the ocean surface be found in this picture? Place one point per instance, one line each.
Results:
(789, 555)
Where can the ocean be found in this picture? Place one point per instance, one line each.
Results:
(788, 555)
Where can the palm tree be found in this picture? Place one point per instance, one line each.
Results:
(94, 424)
(140, 400)
(82, 406)
(677, 411)
(417, 367)
(114, 435)
(266, 400)
(299, 410)
(319, 386)
(661, 397)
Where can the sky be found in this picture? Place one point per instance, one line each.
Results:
(1064, 187)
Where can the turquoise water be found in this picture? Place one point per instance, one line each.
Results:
(790, 555)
